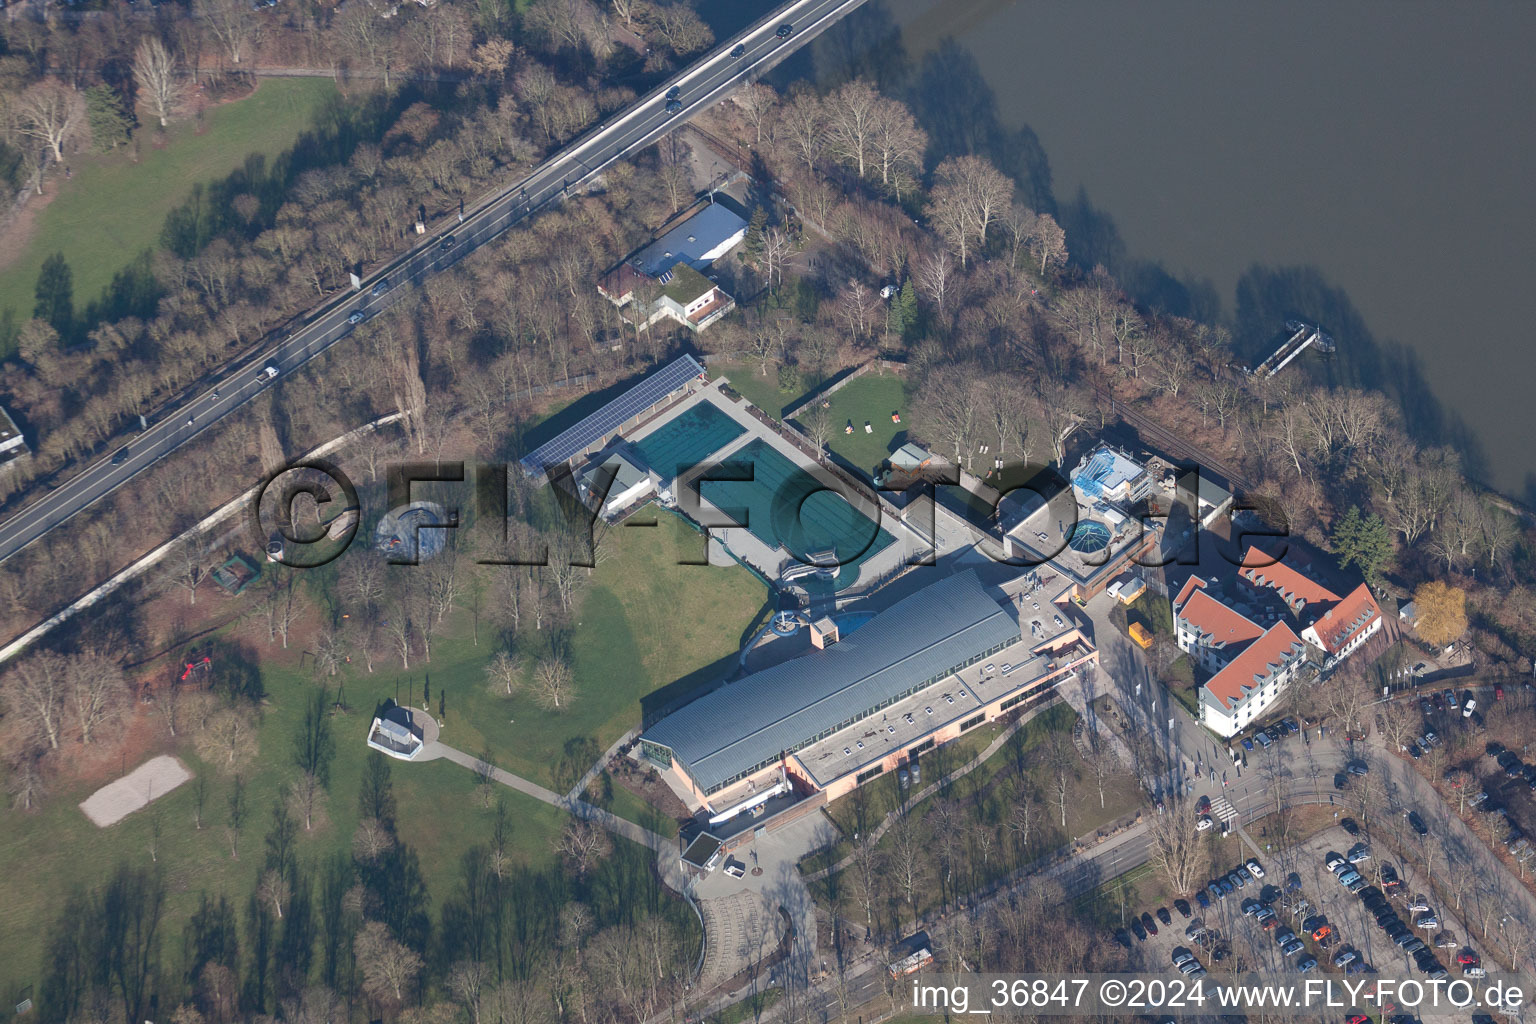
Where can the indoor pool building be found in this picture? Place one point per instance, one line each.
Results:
(933, 666)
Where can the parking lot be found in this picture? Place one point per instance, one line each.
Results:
(1300, 912)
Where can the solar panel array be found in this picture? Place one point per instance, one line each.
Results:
(594, 428)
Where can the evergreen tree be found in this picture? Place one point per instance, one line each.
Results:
(1364, 541)
(906, 300)
(752, 245)
(110, 121)
(56, 295)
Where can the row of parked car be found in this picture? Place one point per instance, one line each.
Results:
(1222, 886)
(1272, 733)
(1390, 921)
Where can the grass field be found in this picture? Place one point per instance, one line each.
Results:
(55, 850)
(762, 392)
(647, 622)
(871, 398)
(112, 209)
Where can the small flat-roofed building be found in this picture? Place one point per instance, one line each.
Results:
(1108, 474)
(631, 482)
(669, 271)
(395, 733)
(13, 446)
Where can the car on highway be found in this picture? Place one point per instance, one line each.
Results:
(738, 50)
(379, 288)
(674, 92)
(784, 31)
(447, 243)
(120, 456)
(673, 106)
(268, 373)
(357, 317)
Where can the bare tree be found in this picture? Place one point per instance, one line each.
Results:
(389, 968)
(34, 691)
(583, 844)
(503, 674)
(1048, 243)
(273, 889)
(52, 113)
(371, 840)
(227, 740)
(818, 427)
(236, 26)
(97, 692)
(757, 103)
(27, 779)
(1176, 849)
(155, 72)
(554, 683)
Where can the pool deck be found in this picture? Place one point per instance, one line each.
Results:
(743, 544)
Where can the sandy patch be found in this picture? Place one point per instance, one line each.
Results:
(149, 781)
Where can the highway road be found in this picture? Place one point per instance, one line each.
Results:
(624, 135)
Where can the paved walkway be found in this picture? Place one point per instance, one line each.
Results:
(602, 762)
(612, 822)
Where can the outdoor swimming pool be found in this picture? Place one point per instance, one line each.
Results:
(785, 507)
(683, 442)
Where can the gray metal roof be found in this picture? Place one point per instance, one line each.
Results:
(785, 707)
(596, 427)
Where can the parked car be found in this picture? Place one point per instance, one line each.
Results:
(1418, 823)
(1358, 767)
(1164, 916)
(1262, 739)
(1468, 958)
(1292, 948)
(1427, 920)
(1182, 906)
(1306, 965)
(1182, 956)
(1147, 923)
(1254, 868)
(1349, 825)
(1345, 956)
(1204, 824)
(1474, 972)
(1283, 936)
(1446, 940)
(1202, 899)
(1139, 931)
(1359, 853)
(1251, 906)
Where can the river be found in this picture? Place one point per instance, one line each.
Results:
(1365, 164)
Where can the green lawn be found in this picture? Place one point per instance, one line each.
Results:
(871, 398)
(57, 849)
(647, 624)
(113, 209)
(762, 392)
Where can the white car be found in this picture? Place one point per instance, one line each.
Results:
(1204, 824)
(1254, 869)
(1466, 712)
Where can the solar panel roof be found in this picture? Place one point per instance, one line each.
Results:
(596, 427)
(745, 723)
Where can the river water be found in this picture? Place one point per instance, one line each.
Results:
(1365, 164)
